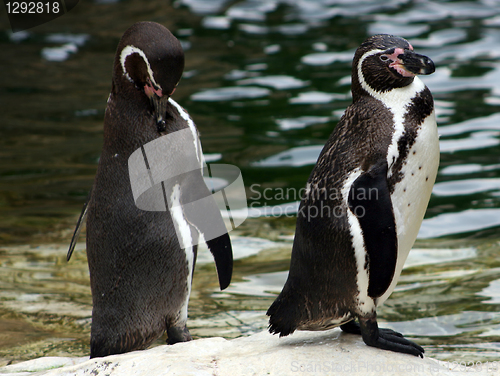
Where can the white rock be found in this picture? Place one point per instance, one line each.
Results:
(303, 353)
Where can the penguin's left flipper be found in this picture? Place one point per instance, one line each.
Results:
(78, 228)
(375, 337)
(202, 212)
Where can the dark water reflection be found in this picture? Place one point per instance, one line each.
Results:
(266, 82)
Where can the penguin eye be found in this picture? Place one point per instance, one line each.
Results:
(384, 57)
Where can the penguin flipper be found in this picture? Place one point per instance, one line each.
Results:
(79, 225)
(223, 255)
(202, 212)
(370, 201)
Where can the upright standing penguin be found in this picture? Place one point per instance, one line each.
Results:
(365, 200)
(140, 271)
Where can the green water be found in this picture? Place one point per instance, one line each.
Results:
(265, 82)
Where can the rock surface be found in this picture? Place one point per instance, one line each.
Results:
(303, 353)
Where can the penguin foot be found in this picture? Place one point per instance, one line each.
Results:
(387, 339)
(178, 334)
(352, 327)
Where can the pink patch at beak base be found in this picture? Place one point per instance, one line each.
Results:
(150, 91)
(400, 68)
(397, 63)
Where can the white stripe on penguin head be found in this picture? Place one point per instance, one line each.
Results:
(361, 77)
(129, 50)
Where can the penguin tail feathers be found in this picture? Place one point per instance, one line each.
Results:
(283, 316)
(223, 255)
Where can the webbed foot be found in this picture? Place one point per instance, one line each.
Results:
(386, 339)
(352, 327)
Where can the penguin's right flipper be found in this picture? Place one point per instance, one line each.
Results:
(385, 340)
(79, 226)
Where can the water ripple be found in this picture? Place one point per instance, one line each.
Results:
(295, 157)
(327, 58)
(466, 187)
(476, 141)
(77, 39)
(217, 23)
(317, 97)
(401, 29)
(441, 38)
(459, 223)
(487, 123)
(446, 325)
(251, 10)
(61, 53)
(462, 169)
(492, 292)
(301, 122)
(203, 6)
(230, 93)
(278, 82)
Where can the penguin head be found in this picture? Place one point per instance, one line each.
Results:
(149, 63)
(385, 62)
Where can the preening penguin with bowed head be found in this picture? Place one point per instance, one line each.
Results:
(383, 157)
(140, 269)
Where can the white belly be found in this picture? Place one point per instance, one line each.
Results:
(411, 195)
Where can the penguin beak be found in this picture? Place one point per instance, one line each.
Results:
(159, 102)
(416, 63)
(408, 63)
(160, 108)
